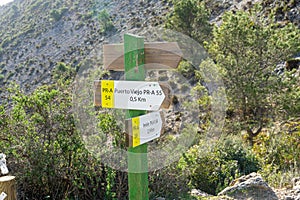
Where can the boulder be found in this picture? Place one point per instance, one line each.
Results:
(250, 186)
(199, 193)
(296, 188)
(296, 183)
(292, 64)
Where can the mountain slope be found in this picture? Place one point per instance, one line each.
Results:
(37, 34)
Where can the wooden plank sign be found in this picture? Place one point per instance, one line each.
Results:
(136, 95)
(144, 128)
(158, 55)
(8, 187)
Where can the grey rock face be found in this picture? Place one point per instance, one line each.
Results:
(251, 186)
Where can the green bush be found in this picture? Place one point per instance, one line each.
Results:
(241, 46)
(105, 21)
(1, 77)
(168, 182)
(212, 169)
(63, 71)
(44, 149)
(278, 153)
(191, 18)
(57, 14)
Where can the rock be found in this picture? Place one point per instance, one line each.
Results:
(289, 198)
(292, 64)
(251, 186)
(294, 15)
(296, 183)
(295, 192)
(199, 193)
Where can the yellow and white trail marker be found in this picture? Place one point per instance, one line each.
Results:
(144, 128)
(136, 95)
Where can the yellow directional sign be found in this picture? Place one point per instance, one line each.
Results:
(137, 95)
(144, 128)
(107, 94)
(135, 131)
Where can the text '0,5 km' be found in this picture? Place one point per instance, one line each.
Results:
(137, 95)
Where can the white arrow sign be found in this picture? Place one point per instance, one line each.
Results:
(3, 196)
(144, 128)
(136, 95)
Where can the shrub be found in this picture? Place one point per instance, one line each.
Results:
(57, 14)
(63, 71)
(105, 21)
(44, 148)
(1, 77)
(212, 169)
(241, 47)
(278, 153)
(191, 18)
(168, 182)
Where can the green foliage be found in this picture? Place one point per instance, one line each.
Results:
(1, 77)
(57, 14)
(247, 48)
(289, 100)
(168, 182)
(191, 18)
(44, 148)
(212, 169)
(278, 153)
(186, 69)
(110, 183)
(105, 21)
(63, 71)
(108, 125)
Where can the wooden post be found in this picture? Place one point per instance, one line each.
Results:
(8, 186)
(137, 156)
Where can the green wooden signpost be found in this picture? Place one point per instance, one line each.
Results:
(134, 59)
(134, 70)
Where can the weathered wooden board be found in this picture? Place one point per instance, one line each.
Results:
(158, 55)
(8, 187)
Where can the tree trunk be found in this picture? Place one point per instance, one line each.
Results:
(8, 186)
(252, 135)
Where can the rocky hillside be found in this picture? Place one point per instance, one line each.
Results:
(37, 34)
(285, 10)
